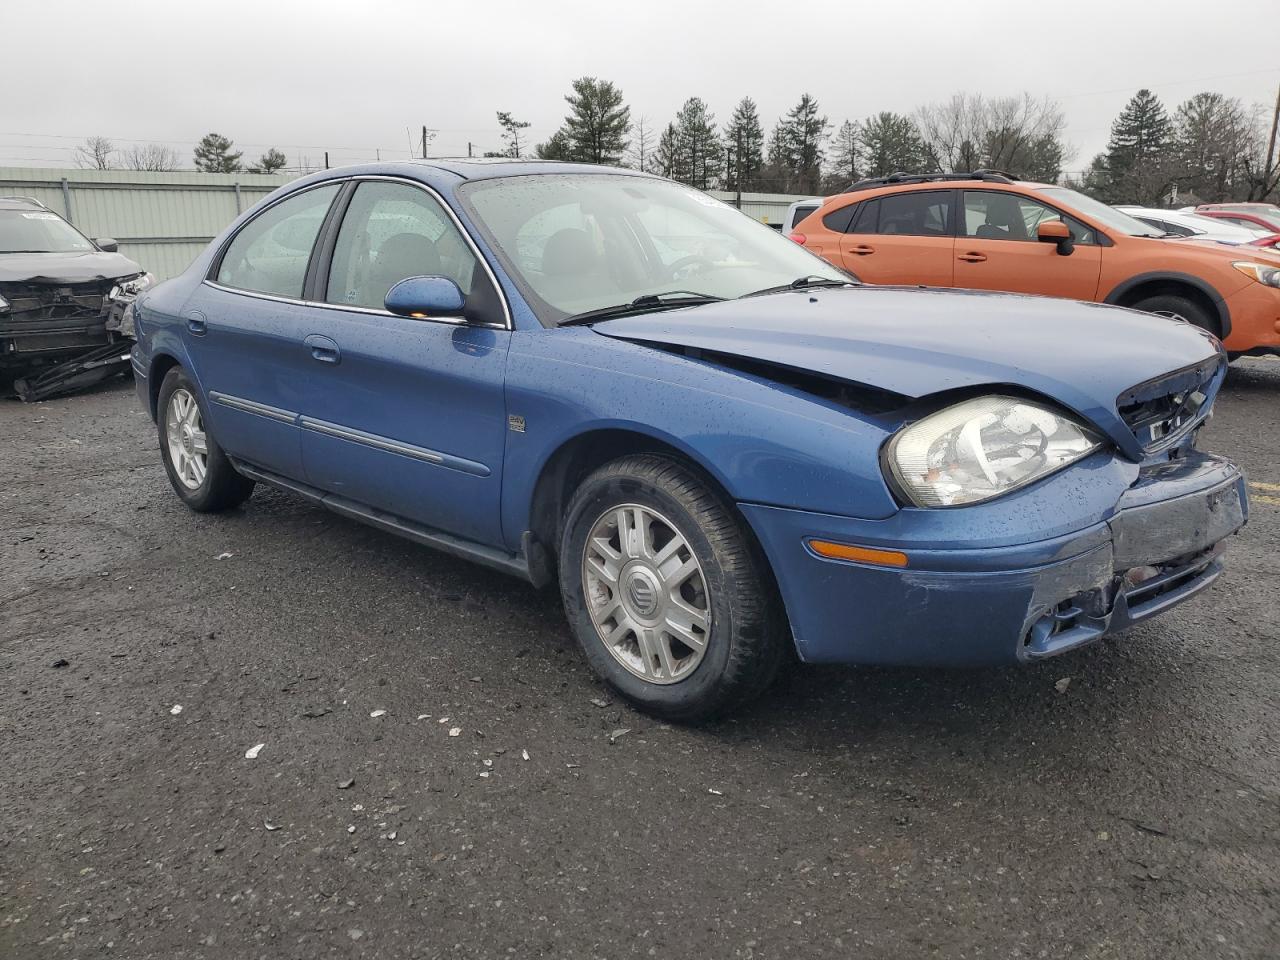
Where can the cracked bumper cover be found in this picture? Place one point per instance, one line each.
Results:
(973, 605)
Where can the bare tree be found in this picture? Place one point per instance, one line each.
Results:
(95, 153)
(640, 155)
(154, 157)
(1018, 134)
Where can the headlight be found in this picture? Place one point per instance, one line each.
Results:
(1259, 271)
(983, 448)
(128, 289)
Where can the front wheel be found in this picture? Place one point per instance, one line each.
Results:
(198, 470)
(670, 599)
(1179, 308)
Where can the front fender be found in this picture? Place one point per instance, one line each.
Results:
(764, 443)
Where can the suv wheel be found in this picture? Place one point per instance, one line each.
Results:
(199, 471)
(668, 596)
(1179, 308)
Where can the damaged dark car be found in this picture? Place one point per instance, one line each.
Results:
(64, 323)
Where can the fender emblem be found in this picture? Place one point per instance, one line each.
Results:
(515, 423)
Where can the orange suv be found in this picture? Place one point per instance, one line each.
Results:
(987, 231)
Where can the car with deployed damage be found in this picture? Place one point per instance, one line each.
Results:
(722, 449)
(987, 230)
(62, 300)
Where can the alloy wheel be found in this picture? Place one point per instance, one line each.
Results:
(646, 593)
(188, 446)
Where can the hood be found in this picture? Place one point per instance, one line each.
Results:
(65, 267)
(917, 342)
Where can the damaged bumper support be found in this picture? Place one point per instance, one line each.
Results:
(1007, 602)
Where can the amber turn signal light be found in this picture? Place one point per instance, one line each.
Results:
(847, 551)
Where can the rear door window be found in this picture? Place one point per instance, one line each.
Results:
(271, 252)
(925, 213)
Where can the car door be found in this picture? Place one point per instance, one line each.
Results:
(997, 248)
(244, 327)
(902, 238)
(405, 415)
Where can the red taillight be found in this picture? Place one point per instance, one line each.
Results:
(799, 238)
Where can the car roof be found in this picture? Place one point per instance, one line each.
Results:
(487, 168)
(21, 203)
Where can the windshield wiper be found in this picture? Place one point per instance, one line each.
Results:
(800, 283)
(667, 300)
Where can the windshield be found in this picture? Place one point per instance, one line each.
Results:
(580, 242)
(1105, 215)
(39, 231)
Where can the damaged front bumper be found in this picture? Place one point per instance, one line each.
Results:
(958, 602)
(58, 339)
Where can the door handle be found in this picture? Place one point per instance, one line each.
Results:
(862, 249)
(972, 257)
(197, 324)
(323, 349)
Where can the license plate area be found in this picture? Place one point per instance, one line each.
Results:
(1155, 533)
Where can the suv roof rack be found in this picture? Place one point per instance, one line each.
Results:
(992, 176)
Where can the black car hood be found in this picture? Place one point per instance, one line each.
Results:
(65, 267)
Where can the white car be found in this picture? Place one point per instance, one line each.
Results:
(798, 211)
(1192, 225)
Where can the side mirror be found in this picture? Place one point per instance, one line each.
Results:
(1055, 231)
(426, 298)
(106, 245)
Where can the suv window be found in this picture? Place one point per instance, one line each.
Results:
(925, 213)
(994, 215)
(270, 253)
(392, 231)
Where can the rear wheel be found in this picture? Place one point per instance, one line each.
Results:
(1179, 308)
(198, 470)
(668, 596)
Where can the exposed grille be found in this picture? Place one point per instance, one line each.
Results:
(1162, 410)
(44, 317)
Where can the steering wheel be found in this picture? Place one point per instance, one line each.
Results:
(686, 263)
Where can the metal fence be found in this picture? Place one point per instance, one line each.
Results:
(161, 220)
(164, 220)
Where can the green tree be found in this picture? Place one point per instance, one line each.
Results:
(891, 143)
(699, 153)
(272, 161)
(557, 147)
(1212, 139)
(512, 132)
(598, 121)
(846, 160)
(744, 146)
(805, 131)
(667, 155)
(1136, 166)
(213, 154)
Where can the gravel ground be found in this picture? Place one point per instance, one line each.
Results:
(392, 811)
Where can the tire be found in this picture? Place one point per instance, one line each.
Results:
(742, 629)
(206, 482)
(1180, 308)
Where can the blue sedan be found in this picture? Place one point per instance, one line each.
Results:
(721, 448)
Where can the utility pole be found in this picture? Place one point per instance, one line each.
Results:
(468, 149)
(1268, 168)
(326, 159)
(424, 141)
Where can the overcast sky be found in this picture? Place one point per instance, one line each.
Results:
(354, 78)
